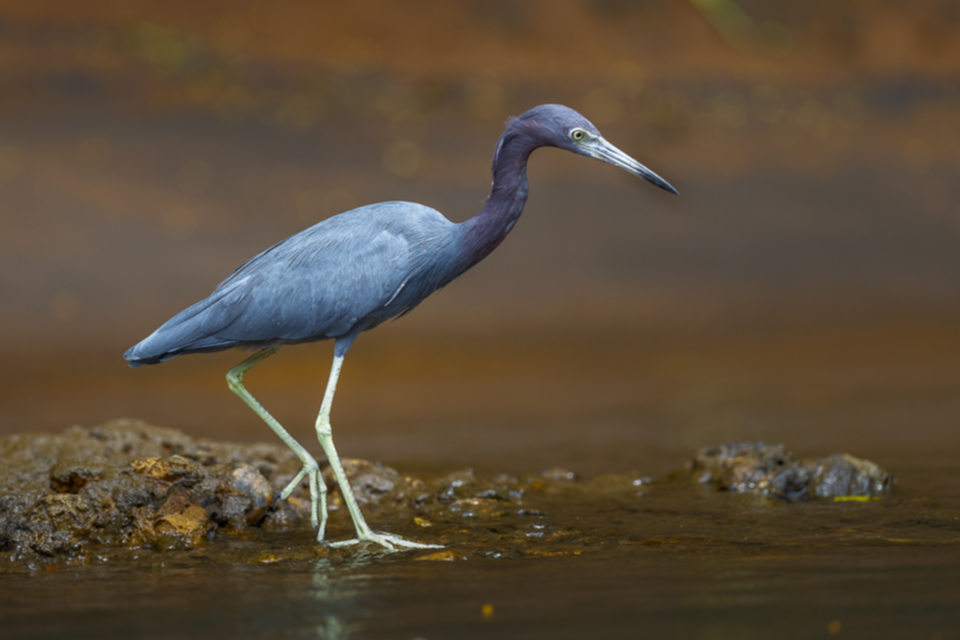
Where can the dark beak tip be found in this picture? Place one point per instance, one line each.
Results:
(663, 184)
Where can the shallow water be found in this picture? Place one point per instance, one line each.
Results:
(669, 559)
(910, 592)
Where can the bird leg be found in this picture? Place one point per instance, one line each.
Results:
(310, 470)
(325, 435)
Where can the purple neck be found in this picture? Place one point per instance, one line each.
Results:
(485, 231)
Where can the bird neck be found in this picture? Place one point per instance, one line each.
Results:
(485, 231)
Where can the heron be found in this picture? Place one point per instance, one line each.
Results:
(353, 271)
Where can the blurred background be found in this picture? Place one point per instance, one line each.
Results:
(805, 286)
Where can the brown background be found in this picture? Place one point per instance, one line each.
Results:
(803, 288)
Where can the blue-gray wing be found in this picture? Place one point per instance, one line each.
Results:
(347, 273)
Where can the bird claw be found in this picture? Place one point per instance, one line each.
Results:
(387, 541)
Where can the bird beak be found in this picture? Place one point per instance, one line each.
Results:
(600, 149)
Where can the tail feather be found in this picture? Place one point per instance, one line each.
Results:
(195, 329)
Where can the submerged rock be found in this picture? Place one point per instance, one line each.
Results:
(758, 468)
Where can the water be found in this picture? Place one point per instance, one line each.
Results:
(743, 594)
(673, 559)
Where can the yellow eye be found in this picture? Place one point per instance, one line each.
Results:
(578, 134)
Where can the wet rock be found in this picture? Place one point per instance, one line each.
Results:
(70, 474)
(460, 485)
(130, 484)
(181, 519)
(237, 496)
(749, 467)
(843, 475)
(475, 509)
(53, 526)
(247, 481)
(371, 482)
(173, 468)
(127, 483)
(757, 468)
(285, 515)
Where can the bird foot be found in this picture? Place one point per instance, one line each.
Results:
(387, 541)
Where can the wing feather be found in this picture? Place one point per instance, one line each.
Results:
(347, 273)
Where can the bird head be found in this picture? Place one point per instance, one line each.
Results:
(559, 126)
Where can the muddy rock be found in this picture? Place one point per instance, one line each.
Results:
(377, 487)
(371, 482)
(844, 475)
(479, 509)
(254, 492)
(181, 519)
(758, 468)
(93, 493)
(172, 469)
(131, 484)
(70, 474)
(127, 484)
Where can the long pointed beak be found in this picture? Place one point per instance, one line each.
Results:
(600, 149)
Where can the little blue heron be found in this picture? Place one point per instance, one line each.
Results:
(351, 272)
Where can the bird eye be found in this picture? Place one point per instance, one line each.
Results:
(578, 134)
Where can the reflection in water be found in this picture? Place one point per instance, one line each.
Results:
(337, 587)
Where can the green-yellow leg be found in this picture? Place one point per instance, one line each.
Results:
(324, 434)
(310, 470)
